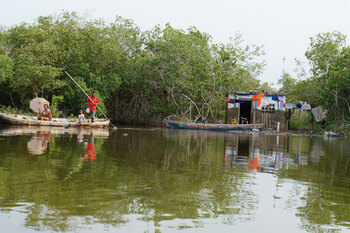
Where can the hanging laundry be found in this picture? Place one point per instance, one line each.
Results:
(257, 98)
(264, 102)
(275, 97)
(284, 105)
(306, 107)
(289, 106)
(241, 101)
(299, 106)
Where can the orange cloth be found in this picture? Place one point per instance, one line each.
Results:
(258, 98)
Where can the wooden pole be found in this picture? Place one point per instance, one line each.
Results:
(89, 98)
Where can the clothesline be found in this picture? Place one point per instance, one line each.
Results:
(304, 106)
(258, 98)
(318, 112)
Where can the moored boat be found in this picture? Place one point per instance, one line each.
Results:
(203, 126)
(13, 130)
(15, 119)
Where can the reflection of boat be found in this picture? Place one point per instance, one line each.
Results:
(187, 125)
(20, 130)
(14, 119)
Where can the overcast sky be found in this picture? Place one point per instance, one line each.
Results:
(282, 26)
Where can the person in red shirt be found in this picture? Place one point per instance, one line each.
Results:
(92, 103)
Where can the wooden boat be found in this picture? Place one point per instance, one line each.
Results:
(202, 126)
(14, 130)
(15, 119)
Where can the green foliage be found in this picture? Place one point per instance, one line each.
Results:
(329, 83)
(183, 74)
(267, 87)
(302, 121)
(329, 58)
(55, 102)
(13, 110)
(138, 76)
(6, 68)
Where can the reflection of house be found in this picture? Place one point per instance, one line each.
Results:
(268, 153)
(258, 153)
(253, 108)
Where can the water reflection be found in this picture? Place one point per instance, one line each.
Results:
(173, 179)
(90, 152)
(38, 143)
(80, 136)
(260, 153)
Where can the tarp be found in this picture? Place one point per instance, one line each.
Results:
(318, 113)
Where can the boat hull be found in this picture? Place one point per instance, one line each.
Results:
(14, 119)
(220, 127)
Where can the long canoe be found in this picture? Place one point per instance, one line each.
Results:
(13, 130)
(14, 119)
(202, 126)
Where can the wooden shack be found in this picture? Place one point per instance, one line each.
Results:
(268, 111)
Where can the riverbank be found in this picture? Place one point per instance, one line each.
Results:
(332, 131)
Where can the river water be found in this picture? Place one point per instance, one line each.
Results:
(160, 180)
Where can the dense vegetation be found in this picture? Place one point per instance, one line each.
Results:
(145, 76)
(327, 83)
(140, 76)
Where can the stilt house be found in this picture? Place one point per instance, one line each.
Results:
(244, 108)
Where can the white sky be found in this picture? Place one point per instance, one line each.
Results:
(282, 26)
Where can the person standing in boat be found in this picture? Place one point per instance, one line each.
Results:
(46, 114)
(81, 116)
(92, 103)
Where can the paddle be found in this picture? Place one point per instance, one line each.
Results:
(114, 127)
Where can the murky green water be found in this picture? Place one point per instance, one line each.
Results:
(158, 180)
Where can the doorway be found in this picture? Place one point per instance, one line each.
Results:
(245, 112)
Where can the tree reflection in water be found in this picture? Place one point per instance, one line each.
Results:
(147, 173)
(165, 175)
(326, 202)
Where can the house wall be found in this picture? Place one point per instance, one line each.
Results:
(231, 113)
